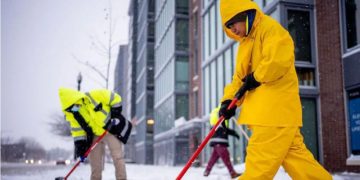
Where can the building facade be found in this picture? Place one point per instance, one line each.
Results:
(326, 102)
(339, 64)
(171, 79)
(218, 54)
(143, 58)
(120, 73)
(130, 76)
(120, 87)
(350, 56)
(195, 76)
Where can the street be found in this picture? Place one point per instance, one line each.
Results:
(19, 171)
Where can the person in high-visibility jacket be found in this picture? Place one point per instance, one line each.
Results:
(271, 106)
(89, 115)
(220, 143)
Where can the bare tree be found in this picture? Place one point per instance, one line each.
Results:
(33, 149)
(103, 49)
(59, 126)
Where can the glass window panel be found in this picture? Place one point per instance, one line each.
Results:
(165, 116)
(206, 36)
(140, 131)
(309, 129)
(182, 76)
(150, 104)
(276, 14)
(267, 2)
(299, 29)
(220, 77)
(228, 71)
(212, 30)
(213, 82)
(182, 35)
(182, 109)
(182, 7)
(306, 76)
(219, 34)
(196, 103)
(206, 90)
(352, 15)
(234, 56)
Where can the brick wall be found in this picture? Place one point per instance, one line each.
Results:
(331, 87)
(195, 6)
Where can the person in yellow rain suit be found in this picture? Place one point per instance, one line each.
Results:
(271, 107)
(89, 114)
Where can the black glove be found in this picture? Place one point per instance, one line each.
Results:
(115, 112)
(232, 133)
(225, 112)
(81, 146)
(115, 125)
(250, 82)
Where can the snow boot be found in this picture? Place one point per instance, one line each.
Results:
(206, 173)
(235, 175)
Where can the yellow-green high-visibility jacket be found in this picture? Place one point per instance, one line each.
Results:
(95, 108)
(268, 51)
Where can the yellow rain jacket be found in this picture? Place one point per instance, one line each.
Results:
(268, 51)
(94, 107)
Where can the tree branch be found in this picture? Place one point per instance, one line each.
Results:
(90, 66)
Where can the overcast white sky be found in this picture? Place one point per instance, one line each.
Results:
(37, 40)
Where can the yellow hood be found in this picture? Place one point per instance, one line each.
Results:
(69, 96)
(230, 8)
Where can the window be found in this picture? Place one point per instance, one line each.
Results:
(196, 103)
(220, 31)
(206, 37)
(150, 104)
(228, 66)
(306, 76)
(182, 35)
(212, 30)
(182, 109)
(235, 48)
(182, 7)
(299, 29)
(195, 44)
(213, 82)
(276, 14)
(165, 116)
(352, 15)
(206, 90)
(182, 75)
(220, 77)
(267, 2)
(309, 129)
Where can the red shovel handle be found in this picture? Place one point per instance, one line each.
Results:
(86, 153)
(238, 95)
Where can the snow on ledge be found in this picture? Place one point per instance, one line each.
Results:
(353, 160)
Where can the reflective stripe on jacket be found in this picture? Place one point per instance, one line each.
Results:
(95, 118)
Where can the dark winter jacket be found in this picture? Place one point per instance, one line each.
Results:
(221, 136)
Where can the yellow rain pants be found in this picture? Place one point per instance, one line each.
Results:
(271, 147)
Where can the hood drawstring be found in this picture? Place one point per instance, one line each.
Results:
(250, 20)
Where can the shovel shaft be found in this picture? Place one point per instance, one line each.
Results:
(86, 153)
(238, 95)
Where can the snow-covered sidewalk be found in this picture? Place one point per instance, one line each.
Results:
(134, 172)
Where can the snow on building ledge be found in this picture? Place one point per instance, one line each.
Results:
(353, 160)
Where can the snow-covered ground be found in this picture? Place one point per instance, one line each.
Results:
(134, 172)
